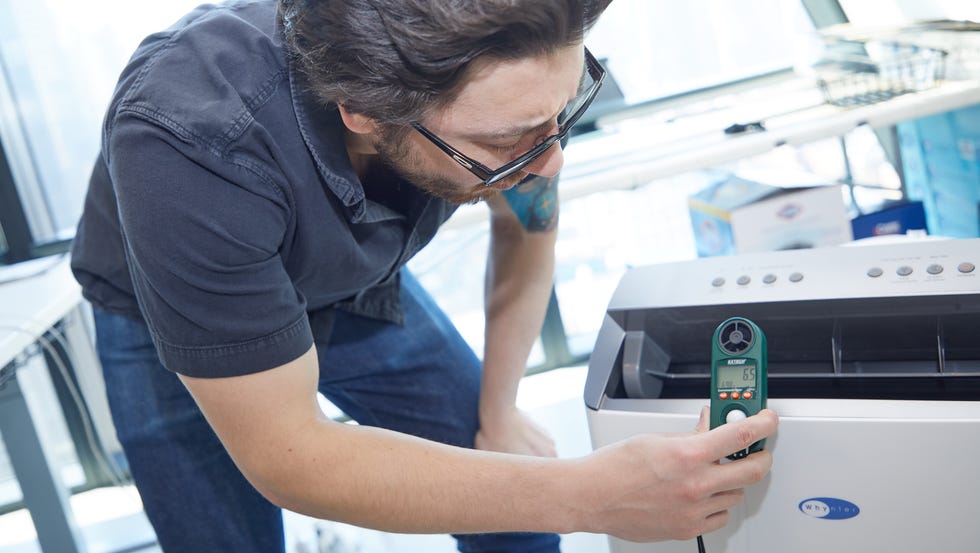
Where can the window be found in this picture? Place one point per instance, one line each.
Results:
(58, 66)
(891, 12)
(659, 48)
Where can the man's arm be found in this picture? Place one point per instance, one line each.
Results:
(665, 486)
(520, 274)
(299, 459)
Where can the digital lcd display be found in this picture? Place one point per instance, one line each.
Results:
(736, 376)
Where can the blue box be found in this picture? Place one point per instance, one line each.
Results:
(941, 165)
(895, 219)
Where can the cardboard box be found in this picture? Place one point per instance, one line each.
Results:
(739, 216)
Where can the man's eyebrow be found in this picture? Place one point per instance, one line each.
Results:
(519, 130)
(510, 132)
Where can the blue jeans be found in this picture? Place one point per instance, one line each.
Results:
(420, 378)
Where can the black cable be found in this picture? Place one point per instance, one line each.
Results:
(700, 545)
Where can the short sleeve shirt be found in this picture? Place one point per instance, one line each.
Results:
(224, 210)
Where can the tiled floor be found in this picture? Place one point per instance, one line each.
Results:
(112, 521)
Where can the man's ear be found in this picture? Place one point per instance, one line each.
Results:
(357, 122)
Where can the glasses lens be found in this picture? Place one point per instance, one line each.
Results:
(587, 90)
(581, 100)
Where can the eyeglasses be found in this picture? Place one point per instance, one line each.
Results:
(572, 112)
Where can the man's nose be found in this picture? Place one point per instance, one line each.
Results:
(549, 163)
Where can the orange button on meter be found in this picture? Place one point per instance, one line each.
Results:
(723, 395)
(734, 395)
(747, 395)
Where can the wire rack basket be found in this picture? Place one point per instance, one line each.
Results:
(860, 73)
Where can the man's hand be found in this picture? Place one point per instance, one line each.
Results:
(512, 431)
(660, 486)
(520, 273)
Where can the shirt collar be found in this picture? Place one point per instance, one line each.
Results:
(323, 133)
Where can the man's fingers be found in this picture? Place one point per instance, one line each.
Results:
(716, 521)
(740, 474)
(736, 436)
(705, 421)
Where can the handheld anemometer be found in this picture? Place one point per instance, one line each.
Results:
(738, 375)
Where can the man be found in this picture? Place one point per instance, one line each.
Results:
(266, 173)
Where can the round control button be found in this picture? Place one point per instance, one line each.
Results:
(934, 269)
(904, 270)
(735, 415)
(744, 279)
(718, 282)
(796, 277)
(735, 395)
(722, 395)
(769, 279)
(747, 395)
(875, 272)
(966, 267)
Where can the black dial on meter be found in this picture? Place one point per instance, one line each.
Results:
(735, 337)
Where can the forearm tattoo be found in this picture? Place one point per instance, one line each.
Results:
(535, 202)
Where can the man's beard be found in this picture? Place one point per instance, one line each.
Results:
(395, 152)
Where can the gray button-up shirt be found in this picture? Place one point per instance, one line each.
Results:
(223, 208)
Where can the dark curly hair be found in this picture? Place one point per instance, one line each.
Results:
(395, 60)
